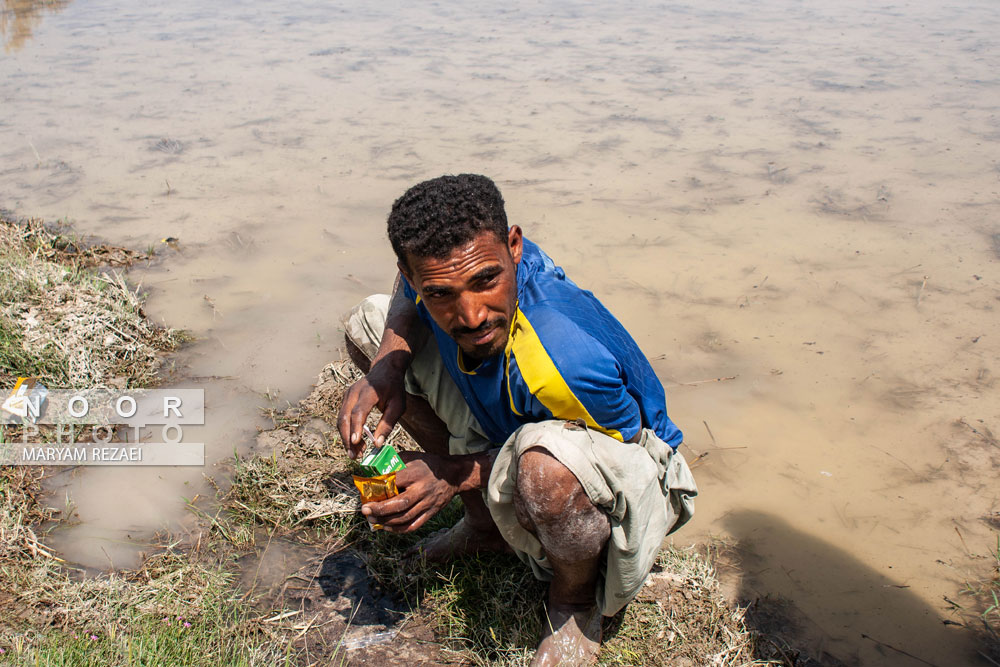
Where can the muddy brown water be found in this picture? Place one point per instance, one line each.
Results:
(801, 196)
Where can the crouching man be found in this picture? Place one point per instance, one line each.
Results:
(530, 401)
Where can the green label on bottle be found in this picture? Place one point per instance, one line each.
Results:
(382, 461)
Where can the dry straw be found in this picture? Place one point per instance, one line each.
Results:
(70, 326)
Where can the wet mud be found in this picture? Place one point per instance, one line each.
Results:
(342, 614)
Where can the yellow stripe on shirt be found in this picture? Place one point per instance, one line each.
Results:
(507, 349)
(544, 380)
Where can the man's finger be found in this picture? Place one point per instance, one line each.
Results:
(421, 520)
(353, 413)
(409, 525)
(358, 417)
(344, 420)
(400, 514)
(418, 512)
(385, 509)
(393, 411)
(349, 433)
(382, 431)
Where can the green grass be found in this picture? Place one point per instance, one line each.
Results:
(23, 279)
(293, 490)
(55, 616)
(486, 608)
(220, 631)
(680, 619)
(15, 359)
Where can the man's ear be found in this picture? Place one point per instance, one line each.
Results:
(514, 243)
(407, 275)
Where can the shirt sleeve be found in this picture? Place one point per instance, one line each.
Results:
(570, 375)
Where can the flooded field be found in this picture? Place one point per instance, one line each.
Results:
(793, 206)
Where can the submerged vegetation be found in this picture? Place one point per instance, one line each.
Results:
(983, 614)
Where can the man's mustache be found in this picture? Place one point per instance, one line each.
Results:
(481, 329)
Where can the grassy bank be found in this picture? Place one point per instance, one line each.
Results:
(66, 323)
(178, 608)
(73, 326)
(483, 610)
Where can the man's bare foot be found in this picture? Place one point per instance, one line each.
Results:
(462, 539)
(571, 636)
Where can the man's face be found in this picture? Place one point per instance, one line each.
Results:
(471, 294)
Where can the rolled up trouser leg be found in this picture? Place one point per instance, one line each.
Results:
(646, 489)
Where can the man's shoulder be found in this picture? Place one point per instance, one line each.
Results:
(565, 341)
(536, 264)
(574, 326)
(548, 317)
(544, 287)
(558, 307)
(539, 317)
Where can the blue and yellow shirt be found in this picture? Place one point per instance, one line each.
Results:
(567, 358)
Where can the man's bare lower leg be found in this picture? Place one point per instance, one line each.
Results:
(550, 502)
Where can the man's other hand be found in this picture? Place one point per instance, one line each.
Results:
(425, 488)
(382, 387)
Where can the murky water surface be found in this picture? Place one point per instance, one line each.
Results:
(802, 196)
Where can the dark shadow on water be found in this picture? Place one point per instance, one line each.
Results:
(810, 594)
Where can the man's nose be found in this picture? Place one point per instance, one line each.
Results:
(472, 313)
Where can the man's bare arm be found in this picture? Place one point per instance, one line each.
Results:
(404, 332)
(383, 386)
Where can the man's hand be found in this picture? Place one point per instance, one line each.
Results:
(383, 385)
(426, 485)
(383, 388)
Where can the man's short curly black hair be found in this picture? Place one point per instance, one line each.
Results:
(434, 217)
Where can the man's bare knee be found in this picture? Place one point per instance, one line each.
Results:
(550, 502)
(547, 483)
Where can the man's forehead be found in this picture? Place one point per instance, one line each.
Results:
(470, 258)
